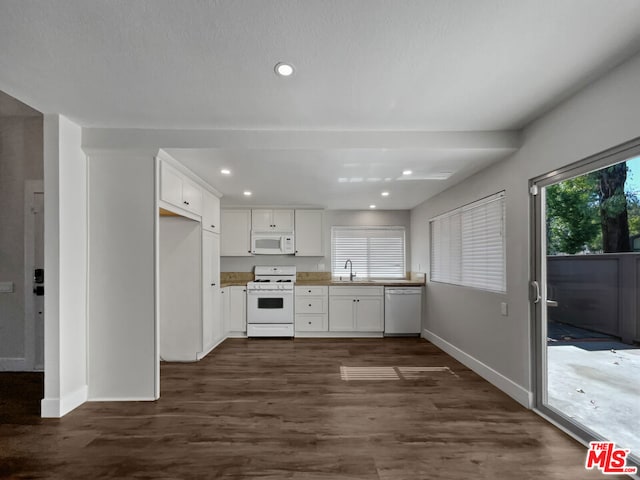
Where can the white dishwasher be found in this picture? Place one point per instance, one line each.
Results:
(402, 310)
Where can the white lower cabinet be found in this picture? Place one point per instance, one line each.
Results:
(356, 309)
(312, 309)
(237, 316)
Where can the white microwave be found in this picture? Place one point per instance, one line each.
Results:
(272, 243)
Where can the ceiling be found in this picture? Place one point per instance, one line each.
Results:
(360, 65)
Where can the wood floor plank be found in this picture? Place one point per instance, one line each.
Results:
(278, 409)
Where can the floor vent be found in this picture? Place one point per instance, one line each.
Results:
(390, 373)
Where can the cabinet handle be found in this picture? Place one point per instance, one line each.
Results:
(213, 284)
(309, 323)
(309, 304)
(309, 291)
(358, 300)
(185, 202)
(213, 226)
(354, 299)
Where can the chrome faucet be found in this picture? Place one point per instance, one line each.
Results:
(351, 274)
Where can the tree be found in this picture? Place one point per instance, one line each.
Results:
(614, 219)
(573, 223)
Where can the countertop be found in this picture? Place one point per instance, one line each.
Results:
(360, 283)
(342, 283)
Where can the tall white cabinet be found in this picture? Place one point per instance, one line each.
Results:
(190, 310)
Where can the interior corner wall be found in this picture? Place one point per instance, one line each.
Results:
(394, 218)
(20, 160)
(123, 358)
(467, 322)
(65, 184)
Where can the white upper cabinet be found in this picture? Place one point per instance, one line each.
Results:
(309, 233)
(268, 220)
(178, 190)
(235, 227)
(210, 212)
(170, 185)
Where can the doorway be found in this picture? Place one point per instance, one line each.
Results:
(586, 297)
(34, 274)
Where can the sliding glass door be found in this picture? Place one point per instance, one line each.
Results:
(586, 296)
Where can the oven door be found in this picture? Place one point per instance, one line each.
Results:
(266, 244)
(265, 306)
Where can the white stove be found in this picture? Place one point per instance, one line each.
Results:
(270, 302)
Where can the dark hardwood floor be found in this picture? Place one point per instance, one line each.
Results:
(278, 409)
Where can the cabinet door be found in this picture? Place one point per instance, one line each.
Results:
(224, 307)
(210, 212)
(341, 314)
(370, 314)
(191, 196)
(238, 309)
(309, 233)
(262, 220)
(283, 220)
(170, 185)
(235, 233)
(212, 329)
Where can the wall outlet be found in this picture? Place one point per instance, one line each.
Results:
(504, 309)
(6, 287)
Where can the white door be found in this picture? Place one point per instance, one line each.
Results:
(309, 236)
(208, 287)
(236, 233)
(34, 276)
(369, 314)
(283, 220)
(341, 314)
(237, 309)
(262, 220)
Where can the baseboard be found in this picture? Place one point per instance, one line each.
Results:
(339, 334)
(515, 391)
(122, 399)
(59, 407)
(201, 355)
(13, 365)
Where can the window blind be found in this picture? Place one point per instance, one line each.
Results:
(376, 252)
(468, 247)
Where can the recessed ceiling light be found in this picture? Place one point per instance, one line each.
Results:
(407, 172)
(247, 193)
(284, 69)
(372, 206)
(385, 194)
(225, 171)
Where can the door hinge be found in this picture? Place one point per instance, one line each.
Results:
(533, 190)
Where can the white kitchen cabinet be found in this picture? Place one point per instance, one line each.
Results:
(312, 308)
(177, 190)
(212, 324)
(272, 220)
(235, 233)
(210, 212)
(356, 309)
(237, 323)
(224, 307)
(309, 233)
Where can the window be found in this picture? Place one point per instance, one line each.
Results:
(376, 252)
(467, 245)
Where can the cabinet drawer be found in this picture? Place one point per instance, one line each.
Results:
(311, 305)
(356, 291)
(317, 290)
(312, 323)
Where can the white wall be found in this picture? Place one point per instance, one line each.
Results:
(65, 171)
(20, 160)
(332, 217)
(123, 361)
(467, 322)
